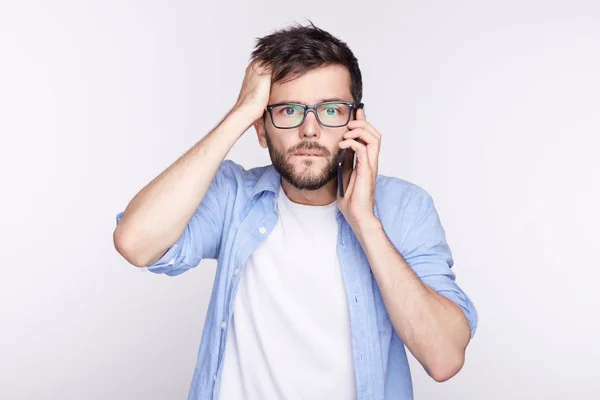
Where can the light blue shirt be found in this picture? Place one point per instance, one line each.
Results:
(239, 211)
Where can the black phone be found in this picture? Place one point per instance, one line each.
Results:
(344, 170)
(346, 163)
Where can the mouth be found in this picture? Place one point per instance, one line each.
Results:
(308, 154)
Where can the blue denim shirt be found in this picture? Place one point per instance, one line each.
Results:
(239, 211)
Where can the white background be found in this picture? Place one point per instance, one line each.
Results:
(492, 107)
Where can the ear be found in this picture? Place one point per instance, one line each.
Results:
(259, 127)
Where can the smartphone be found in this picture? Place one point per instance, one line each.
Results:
(346, 164)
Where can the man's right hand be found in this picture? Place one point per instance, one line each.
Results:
(158, 214)
(255, 91)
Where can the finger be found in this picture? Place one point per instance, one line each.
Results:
(364, 125)
(259, 67)
(362, 157)
(351, 183)
(360, 133)
(373, 144)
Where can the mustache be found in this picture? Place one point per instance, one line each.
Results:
(310, 146)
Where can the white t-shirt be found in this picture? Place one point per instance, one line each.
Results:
(289, 337)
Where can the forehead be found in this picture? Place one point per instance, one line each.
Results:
(330, 82)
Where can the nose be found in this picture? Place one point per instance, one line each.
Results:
(310, 127)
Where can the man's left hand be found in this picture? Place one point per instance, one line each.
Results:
(358, 203)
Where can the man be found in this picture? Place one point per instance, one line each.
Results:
(315, 295)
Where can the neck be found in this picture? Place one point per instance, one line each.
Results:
(320, 197)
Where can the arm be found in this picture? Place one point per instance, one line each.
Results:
(433, 327)
(158, 215)
(426, 307)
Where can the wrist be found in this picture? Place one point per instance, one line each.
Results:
(238, 120)
(246, 112)
(367, 227)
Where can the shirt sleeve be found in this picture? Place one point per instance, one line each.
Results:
(201, 237)
(426, 251)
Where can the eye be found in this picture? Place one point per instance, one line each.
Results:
(331, 111)
(290, 111)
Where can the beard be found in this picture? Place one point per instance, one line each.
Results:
(308, 179)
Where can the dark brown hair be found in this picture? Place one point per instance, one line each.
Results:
(297, 49)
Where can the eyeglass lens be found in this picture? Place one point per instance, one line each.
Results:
(330, 114)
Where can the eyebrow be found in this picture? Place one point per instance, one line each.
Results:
(326, 100)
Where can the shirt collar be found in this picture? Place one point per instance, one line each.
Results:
(269, 180)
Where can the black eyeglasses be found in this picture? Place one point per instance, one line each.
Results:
(332, 114)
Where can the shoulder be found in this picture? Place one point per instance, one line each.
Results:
(246, 180)
(394, 193)
(400, 205)
(231, 170)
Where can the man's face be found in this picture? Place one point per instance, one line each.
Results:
(307, 172)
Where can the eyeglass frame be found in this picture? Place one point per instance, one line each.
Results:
(353, 107)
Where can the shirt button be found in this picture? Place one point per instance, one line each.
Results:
(236, 272)
(223, 325)
(215, 378)
(262, 230)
